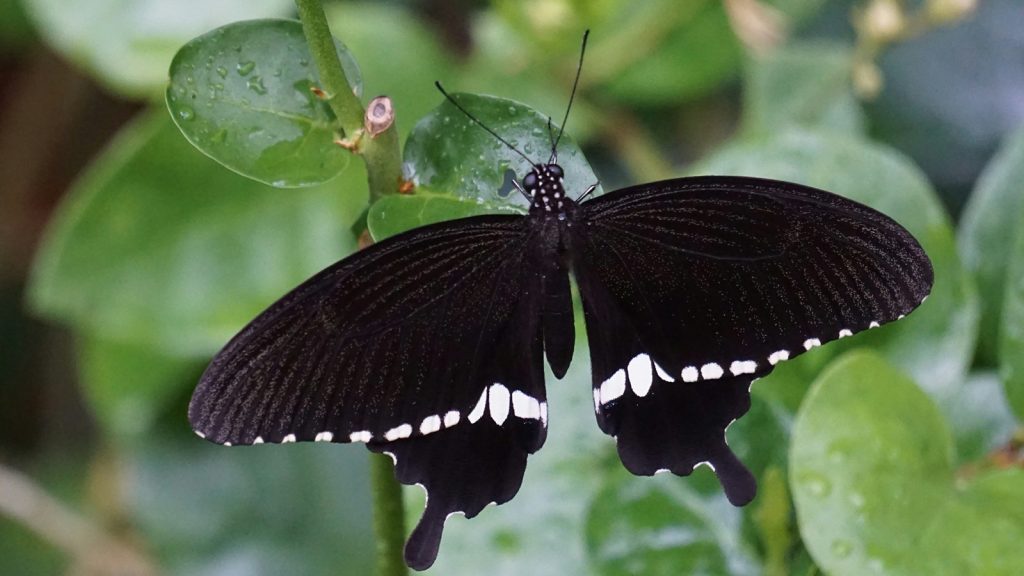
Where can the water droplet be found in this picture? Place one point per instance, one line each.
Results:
(303, 62)
(186, 113)
(512, 110)
(816, 484)
(190, 80)
(841, 548)
(256, 85)
(244, 68)
(222, 71)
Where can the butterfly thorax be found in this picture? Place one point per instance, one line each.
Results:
(544, 187)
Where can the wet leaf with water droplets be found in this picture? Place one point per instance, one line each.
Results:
(876, 492)
(448, 153)
(241, 95)
(460, 169)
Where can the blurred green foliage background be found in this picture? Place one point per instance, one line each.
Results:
(129, 257)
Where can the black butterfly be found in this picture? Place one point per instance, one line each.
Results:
(428, 346)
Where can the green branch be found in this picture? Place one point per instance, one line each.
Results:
(388, 517)
(371, 134)
(368, 135)
(340, 97)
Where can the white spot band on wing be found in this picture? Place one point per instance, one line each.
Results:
(613, 387)
(778, 356)
(640, 374)
(499, 403)
(711, 371)
(430, 424)
(451, 418)
(361, 436)
(525, 406)
(398, 432)
(478, 411)
(743, 367)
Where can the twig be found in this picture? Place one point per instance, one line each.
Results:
(758, 26)
(94, 551)
(380, 151)
(388, 517)
(370, 133)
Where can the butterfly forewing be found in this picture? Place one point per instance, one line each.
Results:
(709, 282)
(427, 346)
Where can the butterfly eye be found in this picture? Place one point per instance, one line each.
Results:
(555, 170)
(530, 181)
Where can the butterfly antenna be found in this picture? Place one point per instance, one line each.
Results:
(572, 96)
(551, 140)
(481, 124)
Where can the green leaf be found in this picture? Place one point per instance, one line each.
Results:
(1011, 343)
(127, 45)
(301, 509)
(875, 489)
(801, 85)
(127, 386)
(242, 94)
(934, 342)
(988, 232)
(399, 212)
(460, 169)
(663, 526)
(448, 152)
(696, 56)
(15, 29)
(159, 246)
(982, 420)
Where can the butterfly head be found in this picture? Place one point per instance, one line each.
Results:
(543, 185)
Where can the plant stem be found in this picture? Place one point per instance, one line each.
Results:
(380, 152)
(341, 99)
(383, 163)
(388, 517)
(383, 160)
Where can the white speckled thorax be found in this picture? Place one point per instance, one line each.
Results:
(545, 188)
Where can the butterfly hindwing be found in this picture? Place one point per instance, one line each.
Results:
(427, 346)
(714, 280)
